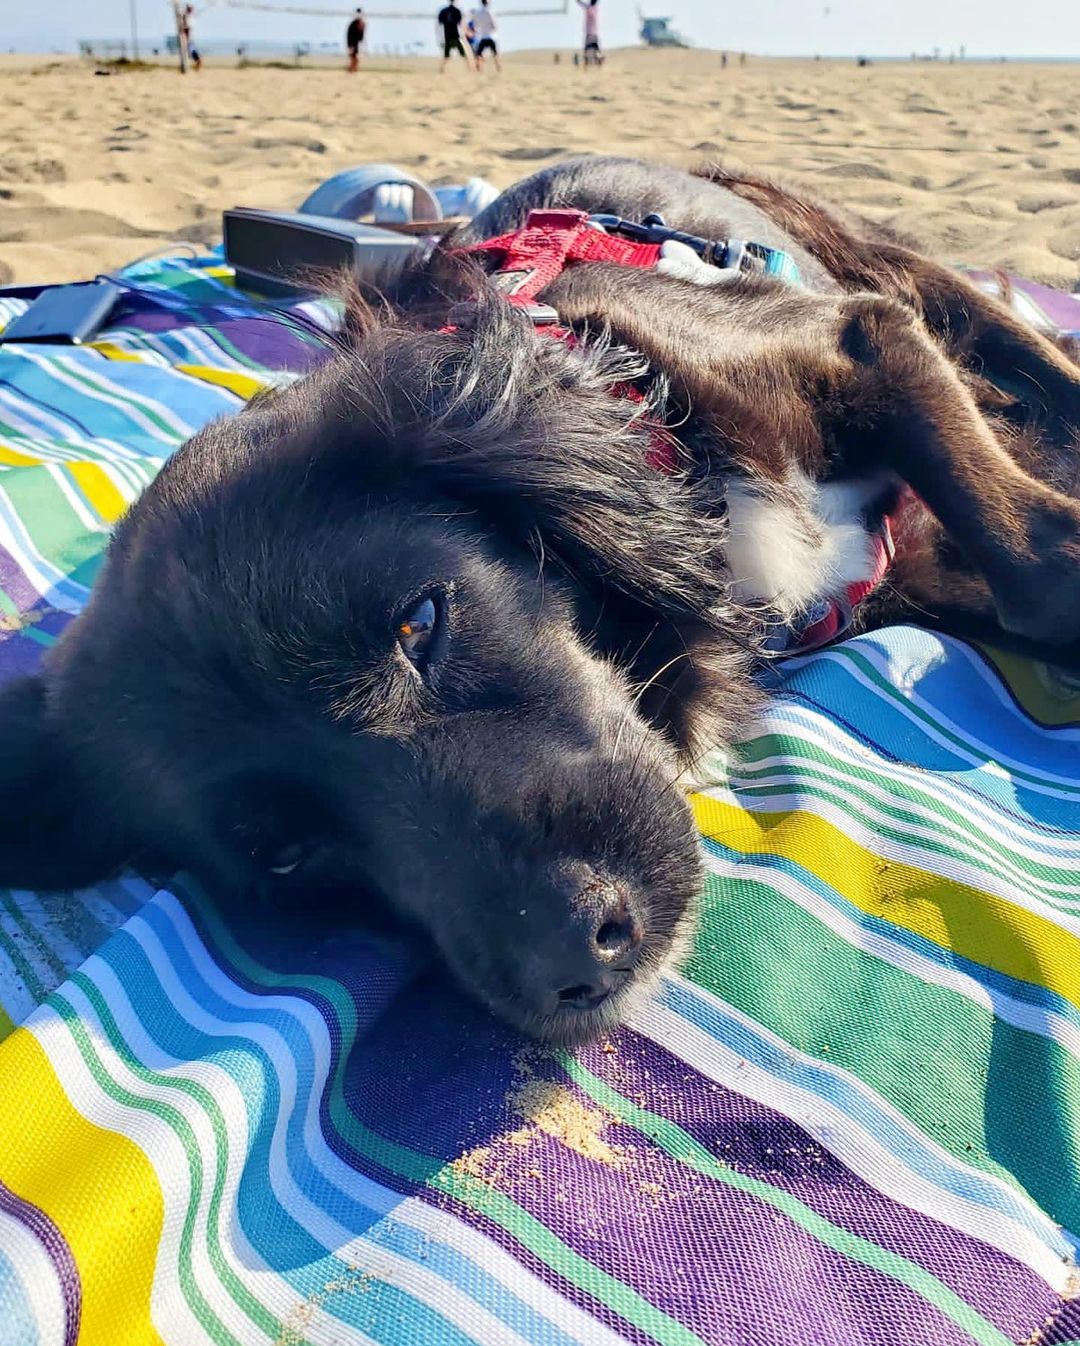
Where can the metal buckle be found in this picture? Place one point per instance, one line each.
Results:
(540, 315)
(653, 230)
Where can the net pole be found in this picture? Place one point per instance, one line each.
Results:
(181, 36)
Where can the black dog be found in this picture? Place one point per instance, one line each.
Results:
(427, 631)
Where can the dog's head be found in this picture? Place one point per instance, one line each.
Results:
(384, 638)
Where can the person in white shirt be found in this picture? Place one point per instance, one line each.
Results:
(592, 31)
(483, 22)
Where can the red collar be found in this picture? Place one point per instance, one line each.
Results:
(531, 258)
(549, 242)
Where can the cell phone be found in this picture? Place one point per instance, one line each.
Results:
(65, 314)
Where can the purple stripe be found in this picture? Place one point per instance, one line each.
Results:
(15, 583)
(1062, 1326)
(726, 1264)
(55, 1246)
(372, 1072)
(264, 339)
(762, 1143)
(18, 656)
(433, 1075)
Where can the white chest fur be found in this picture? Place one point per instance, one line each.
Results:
(793, 544)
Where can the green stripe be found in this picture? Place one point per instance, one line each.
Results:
(158, 1107)
(969, 748)
(24, 969)
(29, 629)
(995, 1096)
(33, 936)
(962, 837)
(126, 399)
(50, 521)
(681, 1146)
(434, 1171)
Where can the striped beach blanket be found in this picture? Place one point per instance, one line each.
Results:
(851, 1119)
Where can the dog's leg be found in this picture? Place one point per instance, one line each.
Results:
(973, 327)
(906, 408)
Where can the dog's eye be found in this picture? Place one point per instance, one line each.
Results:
(286, 859)
(416, 633)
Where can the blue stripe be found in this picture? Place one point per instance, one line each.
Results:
(886, 721)
(366, 1209)
(906, 1146)
(60, 585)
(998, 983)
(18, 1323)
(780, 789)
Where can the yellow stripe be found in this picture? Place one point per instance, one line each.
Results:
(1043, 697)
(13, 458)
(98, 488)
(97, 1187)
(244, 385)
(112, 351)
(977, 925)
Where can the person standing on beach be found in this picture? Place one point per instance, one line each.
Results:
(449, 21)
(592, 31)
(354, 40)
(483, 24)
(186, 17)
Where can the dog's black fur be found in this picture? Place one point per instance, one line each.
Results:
(238, 695)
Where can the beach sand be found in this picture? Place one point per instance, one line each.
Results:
(977, 163)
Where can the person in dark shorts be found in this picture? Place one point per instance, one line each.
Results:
(187, 17)
(449, 21)
(484, 25)
(354, 39)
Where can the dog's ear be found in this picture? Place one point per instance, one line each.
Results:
(528, 434)
(50, 833)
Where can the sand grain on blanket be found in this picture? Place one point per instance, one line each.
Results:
(978, 163)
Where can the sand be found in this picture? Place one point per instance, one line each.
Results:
(977, 162)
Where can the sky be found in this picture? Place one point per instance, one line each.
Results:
(768, 27)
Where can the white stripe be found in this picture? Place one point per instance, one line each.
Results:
(40, 574)
(1017, 891)
(47, 927)
(15, 998)
(1037, 1019)
(997, 685)
(444, 1298)
(900, 779)
(16, 935)
(38, 1279)
(89, 521)
(851, 1143)
(129, 404)
(966, 746)
(32, 421)
(434, 1225)
(169, 1310)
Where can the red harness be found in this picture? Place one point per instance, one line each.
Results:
(530, 259)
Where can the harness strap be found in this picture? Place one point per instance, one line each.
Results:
(533, 256)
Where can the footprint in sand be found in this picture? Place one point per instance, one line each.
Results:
(526, 152)
(1035, 205)
(856, 169)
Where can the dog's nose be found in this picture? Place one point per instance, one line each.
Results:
(613, 936)
(618, 932)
